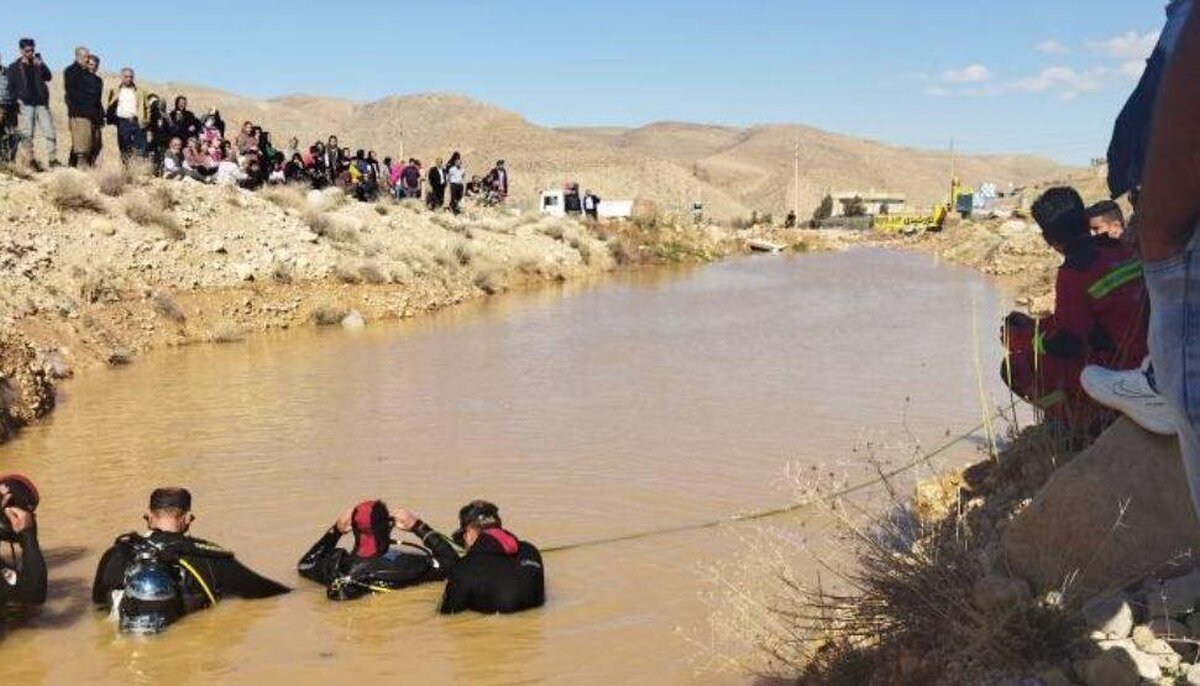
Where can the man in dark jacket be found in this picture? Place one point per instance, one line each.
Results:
(498, 573)
(437, 185)
(21, 582)
(84, 90)
(200, 573)
(27, 86)
(375, 565)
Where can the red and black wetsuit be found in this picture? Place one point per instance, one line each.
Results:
(347, 576)
(1100, 317)
(499, 573)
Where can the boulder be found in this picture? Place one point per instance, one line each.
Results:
(994, 593)
(353, 320)
(1120, 664)
(1110, 615)
(1070, 530)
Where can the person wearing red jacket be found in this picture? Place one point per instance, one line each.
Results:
(1100, 316)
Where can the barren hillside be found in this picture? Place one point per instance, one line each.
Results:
(732, 171)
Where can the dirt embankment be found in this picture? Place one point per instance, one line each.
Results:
(97, 269)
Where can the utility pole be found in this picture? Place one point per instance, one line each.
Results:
(953, 176)
(796, 182)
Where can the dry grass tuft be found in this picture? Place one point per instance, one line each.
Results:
(71, 189)
(16, 170)
(492, 281)
(227, 332)
(286, 197)
(331, 227)
(149, 210)
(282, 273)
(372, 274)
(347, 274)
(168, 308)
(329, 315)
(111, 180)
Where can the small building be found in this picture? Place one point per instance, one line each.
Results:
(874, 203)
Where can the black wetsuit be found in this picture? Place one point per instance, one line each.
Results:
(500, 573)
(347, 577)
(30, 584)
(221, 573)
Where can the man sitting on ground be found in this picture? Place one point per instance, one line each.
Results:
(375, 564)
(498, 573)
(1106, 219)
(1099, 316)
(182, 573)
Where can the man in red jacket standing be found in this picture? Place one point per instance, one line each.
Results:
(1099, 316)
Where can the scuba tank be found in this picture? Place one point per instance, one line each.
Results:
(153, 596)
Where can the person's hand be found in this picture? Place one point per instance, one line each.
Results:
(18, 518)
(343, 523)
(405, 519)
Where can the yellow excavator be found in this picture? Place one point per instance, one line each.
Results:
(960, 200)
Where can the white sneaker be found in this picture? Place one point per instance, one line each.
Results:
(1131, 394)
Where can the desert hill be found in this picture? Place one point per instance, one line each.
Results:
(732, 171)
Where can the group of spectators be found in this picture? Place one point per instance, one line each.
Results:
(181, 145)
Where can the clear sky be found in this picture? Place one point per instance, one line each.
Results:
(1042, 76)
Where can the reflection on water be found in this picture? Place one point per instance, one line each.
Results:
(645, 401)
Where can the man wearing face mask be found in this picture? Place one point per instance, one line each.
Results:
(499, 573)
(22, 579)
(376, 564)
(154, 578)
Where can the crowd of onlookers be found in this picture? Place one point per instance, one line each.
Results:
(181, 145)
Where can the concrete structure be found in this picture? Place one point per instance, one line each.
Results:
(875, 202)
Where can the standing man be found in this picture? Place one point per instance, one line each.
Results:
(127, 110)
(497, 181)
(8, 118)
(84, 90)
(591, 206)
(437, 185)
(27, 85)
(456, 176)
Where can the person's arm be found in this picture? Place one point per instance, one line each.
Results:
(441, 547)
(320, 563)
(47, 75)
(1170, 197)
(1065, 335)
(236, 579)
(457, 596)
(30, 585)
(110, 575)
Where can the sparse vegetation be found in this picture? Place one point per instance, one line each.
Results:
(227, 332)
(149, 210)
(329, 315)
(287, 197)
(370, 273)
(72, 190)
(168, 308)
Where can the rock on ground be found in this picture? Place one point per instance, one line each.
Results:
(1115, 513)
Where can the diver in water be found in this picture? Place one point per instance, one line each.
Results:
(22, 579)
(498, 572)
(150, 580)
(376, 563)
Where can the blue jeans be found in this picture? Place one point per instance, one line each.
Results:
(1174, 287)
(130, 138)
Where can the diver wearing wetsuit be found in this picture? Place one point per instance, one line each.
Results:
(21, 582)
(498, 573)
(203, 572)
(374, 565)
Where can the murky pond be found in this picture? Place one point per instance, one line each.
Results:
(648, 401)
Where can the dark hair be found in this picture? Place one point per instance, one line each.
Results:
(171, 498)
(178, 98)
(1061, 215)
(1105, 208)
(359, 154)
(26, 43)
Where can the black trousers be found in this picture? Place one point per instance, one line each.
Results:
(456, 196)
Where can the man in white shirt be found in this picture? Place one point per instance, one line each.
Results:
(127, 110)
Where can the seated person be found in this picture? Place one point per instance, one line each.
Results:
(174, 167)
(376, 563)
(22, 579)
(197, 159)
(152, 579)
(1105, 218)
(498, 572)
(1099, 316)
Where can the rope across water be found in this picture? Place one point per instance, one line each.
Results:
(779, 511)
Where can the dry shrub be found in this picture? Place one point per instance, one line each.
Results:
(286, 197)
(71, 189)
(148, 210)
(282, 273)
(554, 230)
(168, 308)
(463, 254)
(331, 227)
(16, 170)
(111, 180)
(381, 209)
(329, 315)
(101, 286)
(347, 274)
(227, 332)
(163, 197)
(492, 281)
(370, 273)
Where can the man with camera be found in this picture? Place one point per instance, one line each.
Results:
(22, 579)
(27, 86)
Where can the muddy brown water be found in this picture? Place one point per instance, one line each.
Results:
(645, 401)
